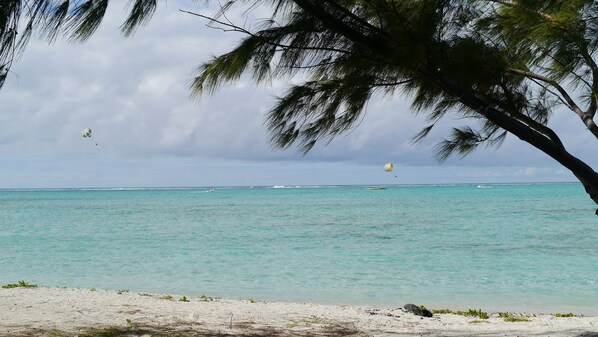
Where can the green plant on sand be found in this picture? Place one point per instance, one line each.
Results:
(471, 312)
(509, 317)
(205, 298)
(443, 311)
(20, 284)
(558, 314)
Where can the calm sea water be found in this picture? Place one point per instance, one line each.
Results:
(495, 247)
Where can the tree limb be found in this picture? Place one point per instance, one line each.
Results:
(586, 175)
(548, 132)
(332, 22)
(235, 28)
(585, 117)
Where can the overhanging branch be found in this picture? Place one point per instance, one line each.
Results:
(584, 116)
(235, 28)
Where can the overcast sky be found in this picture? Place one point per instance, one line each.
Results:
(133, 93)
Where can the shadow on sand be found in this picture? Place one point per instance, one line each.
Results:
(240, 330)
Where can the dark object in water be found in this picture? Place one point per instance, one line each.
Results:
(417, 310)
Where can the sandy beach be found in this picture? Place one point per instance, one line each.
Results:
(57, 312)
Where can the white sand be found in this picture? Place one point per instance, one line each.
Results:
(39, 311)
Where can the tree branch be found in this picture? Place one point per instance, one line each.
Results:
(584, 116)
(583, 50)
(586, 175)
(548, 132)
(333, 23)
(356, 18)
(235, 28)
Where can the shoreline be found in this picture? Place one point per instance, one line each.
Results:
(59, 312)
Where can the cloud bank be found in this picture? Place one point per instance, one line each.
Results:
(134, 93)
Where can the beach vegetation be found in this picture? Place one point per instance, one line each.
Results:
(514, 319)
(121, 291)
(471, 312)
(20, 284)
(205, 298)
(478, 321)
(510, 317)
(477, 313)
(183, 299)
(503, 67)
(442, 311)
(167, 297)
(93, 289)
(565, 315)
(251, 300)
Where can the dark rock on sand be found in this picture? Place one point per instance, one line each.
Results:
(416, 310)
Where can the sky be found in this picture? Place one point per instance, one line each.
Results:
(147, 132)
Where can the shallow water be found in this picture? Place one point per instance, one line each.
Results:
(496, 247)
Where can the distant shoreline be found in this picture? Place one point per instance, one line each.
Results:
(68, 312)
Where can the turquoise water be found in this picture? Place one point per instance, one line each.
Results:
(503, 247)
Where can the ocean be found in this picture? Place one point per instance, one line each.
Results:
(495, 247)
